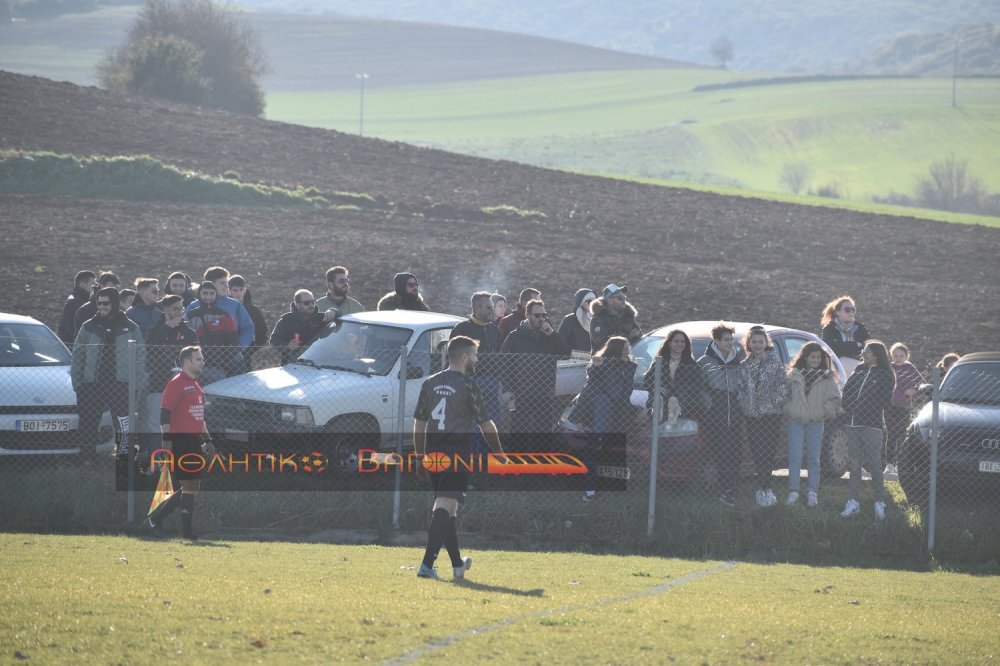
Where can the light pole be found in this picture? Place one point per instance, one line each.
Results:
(361, 115)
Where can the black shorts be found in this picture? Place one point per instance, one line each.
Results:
(450, 484)
(191, 467)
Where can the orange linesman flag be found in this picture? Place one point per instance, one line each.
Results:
(164, 489)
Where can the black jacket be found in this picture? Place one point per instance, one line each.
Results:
(162, 347)
(488, 337)
(613, 380)
(86, 312)
(259, 324)
(833, 336)
(687, 385)
(606, 324)
(529, 364)
(291, 323)
(574, 334)
(67, 326)
(867, 394)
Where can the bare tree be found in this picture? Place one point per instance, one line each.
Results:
(722, 50)
(794, 176)
(949, 185)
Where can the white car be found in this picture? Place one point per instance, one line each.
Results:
(344, 389)
(37, 403)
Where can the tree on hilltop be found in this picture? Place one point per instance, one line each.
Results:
(190, 51)
(722, 50)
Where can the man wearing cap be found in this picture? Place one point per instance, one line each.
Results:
(613, 315)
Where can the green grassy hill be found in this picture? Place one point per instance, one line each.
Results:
(859, 137)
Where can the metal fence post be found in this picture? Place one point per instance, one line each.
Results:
(133, 424)
(400, 421)
(655, 443)
(932, 500)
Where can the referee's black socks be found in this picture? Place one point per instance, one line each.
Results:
(437, 533)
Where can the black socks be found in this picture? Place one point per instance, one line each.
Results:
(187, 513)
(437, 533)
(451, 543)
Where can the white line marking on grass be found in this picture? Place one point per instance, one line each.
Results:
(448, 641)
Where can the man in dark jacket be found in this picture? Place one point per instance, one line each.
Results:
(298, 327)
(508, 324)
(144, 310)
(575, 327)
(529, 375)
(406, 295)
(100, 366)
(721, 364)
(613, 315)
(481, 328)
(83, 289)
(89, 309)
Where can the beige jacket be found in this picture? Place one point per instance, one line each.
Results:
(822, 403)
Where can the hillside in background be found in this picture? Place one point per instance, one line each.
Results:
(686, 255)
(933, 53)
(769, 35)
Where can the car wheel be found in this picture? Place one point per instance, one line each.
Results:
(835, 458)
(914, 469)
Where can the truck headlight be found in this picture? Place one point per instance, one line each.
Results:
(297, 415)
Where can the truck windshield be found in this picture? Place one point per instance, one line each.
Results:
(367, 349)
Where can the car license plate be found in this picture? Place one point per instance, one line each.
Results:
(989, 466)
(610, 472)
(42, 425)
(237, 435)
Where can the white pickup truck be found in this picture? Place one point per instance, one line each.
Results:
(345, 387)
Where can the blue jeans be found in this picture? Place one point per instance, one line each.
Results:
(810, 434)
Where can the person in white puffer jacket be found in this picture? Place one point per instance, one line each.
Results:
(763, 394)
(814, 398)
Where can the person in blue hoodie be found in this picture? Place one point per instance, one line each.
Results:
(244, 324)
(145, 309)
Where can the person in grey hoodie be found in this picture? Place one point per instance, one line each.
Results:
(763, 394)
(721, 364)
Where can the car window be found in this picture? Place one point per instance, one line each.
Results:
(428, 351)
(972, 383)
(791, 346)
(31, 344)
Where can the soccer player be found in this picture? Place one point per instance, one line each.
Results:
(450, 403)
(182, 422)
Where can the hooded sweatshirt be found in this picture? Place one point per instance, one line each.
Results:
(100, 350)
(399, 299)
(575, 327)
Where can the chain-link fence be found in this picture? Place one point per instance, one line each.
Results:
(601, 451)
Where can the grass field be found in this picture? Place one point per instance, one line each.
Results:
(125, 600)
(863, 138)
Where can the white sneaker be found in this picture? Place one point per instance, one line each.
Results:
(673, 409)
(460, 571)
(891, 472)
(793, 498)
(761, 498)
(769, 498)
(811, 499)
(852, 507)
(880, 510)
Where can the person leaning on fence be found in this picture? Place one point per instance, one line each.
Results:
(613, 315)
(763, 394)
(83, 287)
(298, 328)
(481, 328)
(529, 366)
(449, 407)
(185, 435)
(845, 335)
(100, 366)
(603, 406)
(406, 295)
(575, 327)
(899, 412)
(814, 399)
(867, 394)
(218, 334)
(682, 381)
(509, 323)
(338, 288)
(724, 419)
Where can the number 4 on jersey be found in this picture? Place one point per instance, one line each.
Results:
(438, 413)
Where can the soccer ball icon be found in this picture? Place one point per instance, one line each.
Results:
(435, 462)
(314, 462)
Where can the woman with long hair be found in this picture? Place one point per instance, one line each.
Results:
(814, 398)
(682, 381)
(604, 403)
(897, 416)
(763, 394)
(841, 328)
(867, 394)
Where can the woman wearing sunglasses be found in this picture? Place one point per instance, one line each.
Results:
(842, 330)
